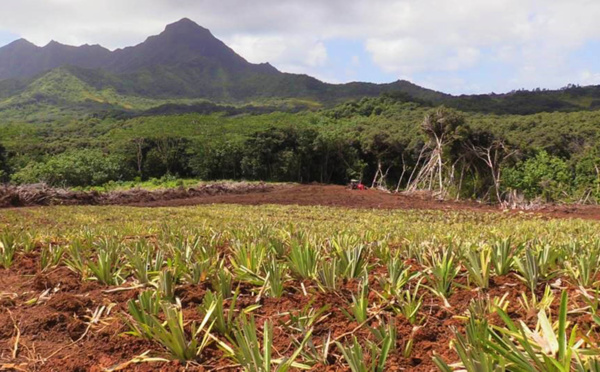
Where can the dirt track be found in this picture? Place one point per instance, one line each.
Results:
(340, 196)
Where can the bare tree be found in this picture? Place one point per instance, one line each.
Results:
(139, 145)
(401, 175)
(440, 127)
(416, 165)
(493, 154)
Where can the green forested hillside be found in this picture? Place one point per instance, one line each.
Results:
(328, 145)
(71, 92)
(61, 94)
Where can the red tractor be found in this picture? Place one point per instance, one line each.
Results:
(357, 185)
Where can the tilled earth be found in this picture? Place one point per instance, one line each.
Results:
(47, 318)
(340, 196)
(54, 333)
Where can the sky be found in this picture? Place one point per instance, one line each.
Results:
(454, 46)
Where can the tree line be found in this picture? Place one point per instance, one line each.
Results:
(447, 155)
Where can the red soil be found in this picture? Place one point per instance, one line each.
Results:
(54, 334)
(340, 196)
(260, 193)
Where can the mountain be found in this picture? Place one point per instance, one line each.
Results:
(22, 59)
(186, 64)
(186, 43)
(184, 61)
(181, 43)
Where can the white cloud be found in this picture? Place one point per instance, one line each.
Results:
(450, 83)
(293, 53)
(533, 39)
(408, 56)
(257, 49)
(589, 78)
(317, 55)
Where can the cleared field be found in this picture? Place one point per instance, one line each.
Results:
(258, 193)
(234, 287)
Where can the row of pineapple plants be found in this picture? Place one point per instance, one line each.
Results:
(391, 277)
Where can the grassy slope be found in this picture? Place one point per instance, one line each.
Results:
(70, 92)
(61, 95)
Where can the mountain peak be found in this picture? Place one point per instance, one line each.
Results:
(185, 25)
(54, 44)
(183, 21)
(181, 43)
(21, 43)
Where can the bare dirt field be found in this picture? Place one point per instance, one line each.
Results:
(282, 194)
(341, 196)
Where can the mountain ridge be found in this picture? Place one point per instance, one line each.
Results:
(184, 60)
(187, 62)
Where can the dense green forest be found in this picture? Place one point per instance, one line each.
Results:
(388, 141)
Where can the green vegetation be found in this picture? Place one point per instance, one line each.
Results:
(508, 158)
(77, 168)
(396, 271)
